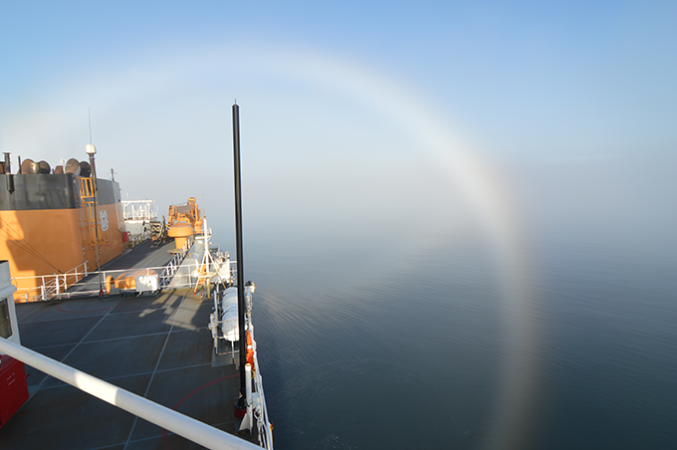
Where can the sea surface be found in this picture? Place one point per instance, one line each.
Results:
(371, 339)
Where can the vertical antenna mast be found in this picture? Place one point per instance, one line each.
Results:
(238, 243)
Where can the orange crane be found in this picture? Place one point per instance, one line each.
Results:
(184, 221)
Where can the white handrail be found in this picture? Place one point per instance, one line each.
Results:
(39, 292)
(139, 210)
(55, 286)
(265, 433)
(52, 285)
(172, 266)
(171, 420)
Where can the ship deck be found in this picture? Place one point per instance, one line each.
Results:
(158, 347)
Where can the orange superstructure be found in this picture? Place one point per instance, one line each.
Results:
(47, 226)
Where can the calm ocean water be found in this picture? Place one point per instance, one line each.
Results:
(372, 345)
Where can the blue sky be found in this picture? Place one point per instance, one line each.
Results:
(517, 75)
(329, 92)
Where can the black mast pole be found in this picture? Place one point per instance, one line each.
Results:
(238, 238)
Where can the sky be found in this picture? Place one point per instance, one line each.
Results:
(338, 101)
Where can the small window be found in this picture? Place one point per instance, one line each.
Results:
(5, 323)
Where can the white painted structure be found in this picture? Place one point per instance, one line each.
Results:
(137, 215)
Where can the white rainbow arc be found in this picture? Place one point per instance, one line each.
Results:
(480, 183)
(490, 198)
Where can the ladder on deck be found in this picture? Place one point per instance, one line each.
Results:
(89, 203)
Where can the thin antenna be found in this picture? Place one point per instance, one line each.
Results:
(241, 305)
(89, 113)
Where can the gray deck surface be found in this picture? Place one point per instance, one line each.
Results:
(158, 347)
(144, 255)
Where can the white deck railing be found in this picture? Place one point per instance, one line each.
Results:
(55, 289)
(51, 286)
(192, 429)
(173, 265)
(139, 210)
(256, 400)
(265, 431)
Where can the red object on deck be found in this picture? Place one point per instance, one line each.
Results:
(13, 387)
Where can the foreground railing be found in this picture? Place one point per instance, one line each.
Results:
(170, 420)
